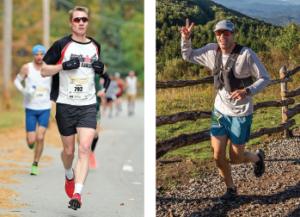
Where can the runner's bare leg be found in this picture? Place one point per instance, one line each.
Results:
(39, 143)
(219, 144)
(67, 154)
(85, 138)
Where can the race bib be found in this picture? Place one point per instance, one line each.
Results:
(40, 93)
(78, 88)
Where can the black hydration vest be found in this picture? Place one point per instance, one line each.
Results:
(225, 77)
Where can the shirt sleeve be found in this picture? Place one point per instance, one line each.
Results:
(199, 56)
(259, 72)
(53, 55)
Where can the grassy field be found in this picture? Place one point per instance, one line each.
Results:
(201, 97)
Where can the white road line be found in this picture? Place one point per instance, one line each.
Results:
(127, 168)
(136, 183)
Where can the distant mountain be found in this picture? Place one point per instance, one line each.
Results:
(280, 20)
(277, 12)
(241, 2)
(172, 14)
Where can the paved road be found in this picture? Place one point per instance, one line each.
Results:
(118, 179)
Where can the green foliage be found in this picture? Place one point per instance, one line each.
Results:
(205, 14)
(118, 25)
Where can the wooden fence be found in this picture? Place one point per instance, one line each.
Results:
(169, 144)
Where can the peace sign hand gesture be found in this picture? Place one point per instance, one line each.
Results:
(186, 31)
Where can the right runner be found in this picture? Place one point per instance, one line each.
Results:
(233, 66)
(131, 91)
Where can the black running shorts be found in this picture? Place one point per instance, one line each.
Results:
(69, 117)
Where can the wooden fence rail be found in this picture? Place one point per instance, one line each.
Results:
(166, 145)
(207, 80)
(169, 144)
(194, 115)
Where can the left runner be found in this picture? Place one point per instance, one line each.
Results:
(36, 102)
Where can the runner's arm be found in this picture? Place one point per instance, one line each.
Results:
(260, 73)
(20, 77)
(106, 80)
(200, 56)
(50, 70)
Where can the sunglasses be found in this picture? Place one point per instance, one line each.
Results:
(78, 19)
(226, 32)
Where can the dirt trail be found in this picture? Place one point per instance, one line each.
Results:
(276, 193)
(16, 158)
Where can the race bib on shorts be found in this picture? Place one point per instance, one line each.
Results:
(78, 88)
(40, 93)
(215, 119)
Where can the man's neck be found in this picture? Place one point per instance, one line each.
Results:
(80, 38)
(37, 66)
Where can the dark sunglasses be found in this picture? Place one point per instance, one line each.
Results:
(77, 19)
(226, 32)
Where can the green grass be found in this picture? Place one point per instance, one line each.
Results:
(15, 116)
(201, 97)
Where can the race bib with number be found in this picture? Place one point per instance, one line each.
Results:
(78, 88)
(40, 93)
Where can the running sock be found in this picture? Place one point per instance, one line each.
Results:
(35, 163)
(94, 143)
(69, 174)
(78, 188)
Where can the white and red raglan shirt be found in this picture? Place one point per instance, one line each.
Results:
(73, 87)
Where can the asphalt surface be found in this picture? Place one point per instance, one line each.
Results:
(118, 180)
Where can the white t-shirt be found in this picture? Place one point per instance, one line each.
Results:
(41, 97)
(77, 86)
(131, 85)
(247, 64)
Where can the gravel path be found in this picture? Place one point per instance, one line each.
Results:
(276, 193)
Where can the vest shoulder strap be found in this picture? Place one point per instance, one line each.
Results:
(233, 57)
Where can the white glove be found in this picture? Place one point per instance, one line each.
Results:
(28, 93)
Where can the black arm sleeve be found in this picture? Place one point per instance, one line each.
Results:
(53, 54)
(106, 80)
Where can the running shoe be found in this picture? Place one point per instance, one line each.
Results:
(93, 161)
(75, 202)
(34, 170)
(70, 186)
(259, 166)
(228, 196)
(31, 146)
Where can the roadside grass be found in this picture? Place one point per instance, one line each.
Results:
(15, 115)
(201, 97)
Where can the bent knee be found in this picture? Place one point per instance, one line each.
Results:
(30, 141)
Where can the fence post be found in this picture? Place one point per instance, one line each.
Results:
(284, 108)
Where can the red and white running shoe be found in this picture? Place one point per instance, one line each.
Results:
(75, 202)
(70, 186)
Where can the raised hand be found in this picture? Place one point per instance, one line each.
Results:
(186, 31)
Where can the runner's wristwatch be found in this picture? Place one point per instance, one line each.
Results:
(247, 91)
